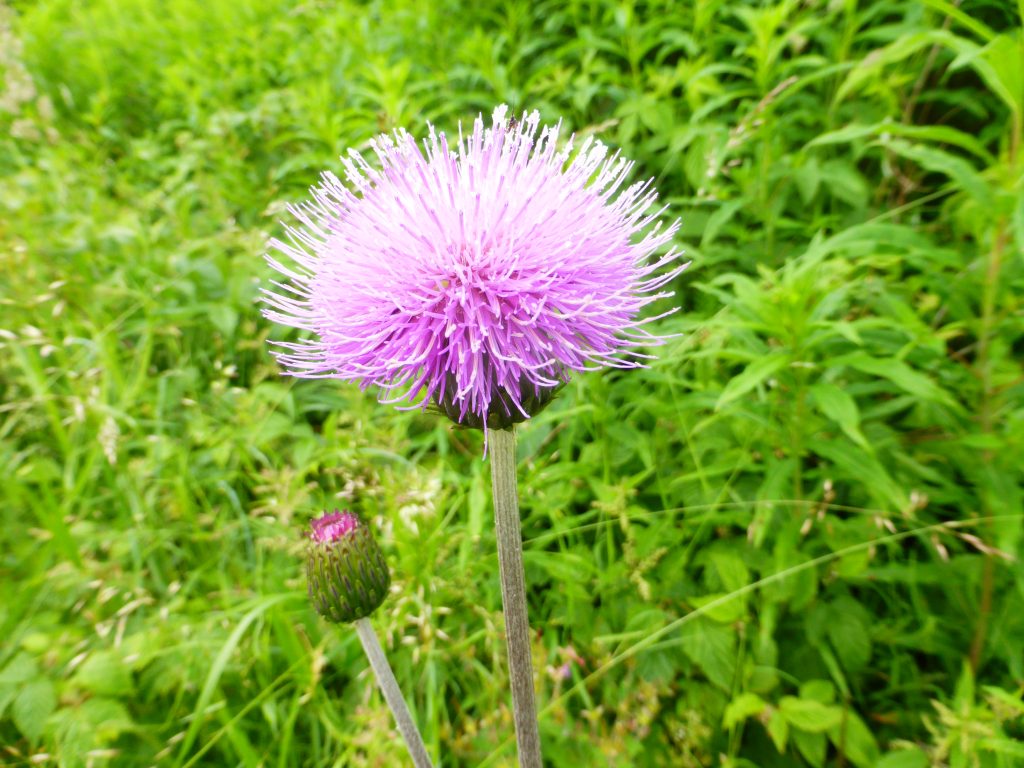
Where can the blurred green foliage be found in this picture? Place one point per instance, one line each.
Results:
(794, 541)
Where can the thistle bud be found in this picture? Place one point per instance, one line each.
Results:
(348, 577)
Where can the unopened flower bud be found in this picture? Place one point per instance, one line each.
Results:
(348, 577)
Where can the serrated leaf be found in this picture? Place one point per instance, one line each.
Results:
(34, 703)
(731, 569)
(713, 649)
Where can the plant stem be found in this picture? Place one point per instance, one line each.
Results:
(985, 364)
(502, 445)
(392, 693)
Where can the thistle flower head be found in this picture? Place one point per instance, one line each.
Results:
(477, 275)
(348, 577)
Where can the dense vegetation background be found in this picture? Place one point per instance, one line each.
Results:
(794, 541)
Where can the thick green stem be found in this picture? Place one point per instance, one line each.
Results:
(502, 445)
(392, 694)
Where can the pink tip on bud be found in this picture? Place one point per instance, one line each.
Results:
(333, 526)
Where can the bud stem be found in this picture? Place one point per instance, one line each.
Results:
(502, 445)
(392, 693)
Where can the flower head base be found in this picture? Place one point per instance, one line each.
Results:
(348, 577)
(478, 276)
(504, 409)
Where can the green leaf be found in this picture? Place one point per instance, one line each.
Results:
(864, 469)
(809, 715)
(902, 48)
(845, 182)
(107, 718)
(845, 135)
(727, 611)
(813, 747)
(807, 178)
(560, 567)
(940, 134)
(34, 703)
(855, 740)
(778, 729)
(1008, 700)
(905, 758)
(950, 10)
(940, 161)
(104, 672)
(719, 219)
(818, 690)
(19, 669)
(838, 405)
(712, 647)
(1018, 224)
(849, 636)
(743, 706)
(1001, 65)
(963, 694)
(753, 375)
(220, 663)
(7, 694)
(1002, 746)
(899, 373)
(731, 568)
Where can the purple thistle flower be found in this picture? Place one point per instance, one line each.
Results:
(477, 277)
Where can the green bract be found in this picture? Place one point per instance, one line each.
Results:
(503, 413)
